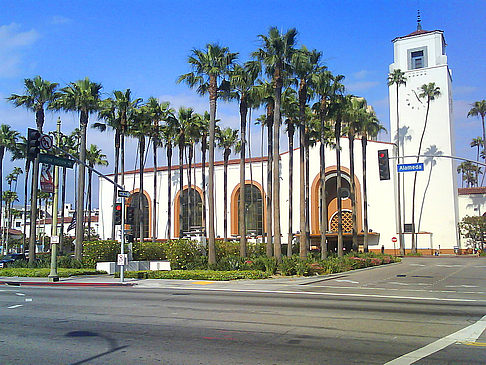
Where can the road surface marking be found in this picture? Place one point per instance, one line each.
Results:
(202, 282)
(21, 294)
(469, 334)
(442, 265)
(347, 281)
(479, 344)
(28, 299)
(417, 265)
(331, 294)
(15, 306)
(461, 286)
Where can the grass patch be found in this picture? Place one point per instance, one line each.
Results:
(44, 272)
(197, 275)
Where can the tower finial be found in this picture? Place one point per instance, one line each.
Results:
(419, 21)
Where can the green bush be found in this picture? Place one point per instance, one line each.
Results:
(44, 272)
(197, 275)
(149, 251)
(99, 251)
(183, 253)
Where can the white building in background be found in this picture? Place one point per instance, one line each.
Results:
(421, 55)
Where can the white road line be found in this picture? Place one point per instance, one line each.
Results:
(416, 264)
(28, 299)
(468, 334)
(20, 294)
(330, 294)
(442, 265)
(347, 281)
(461, 286)
(15, 306)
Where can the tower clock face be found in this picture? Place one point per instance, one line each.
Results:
(412, 100)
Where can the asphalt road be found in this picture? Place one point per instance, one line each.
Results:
(428, 310)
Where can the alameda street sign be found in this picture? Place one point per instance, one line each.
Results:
(54, 160)
(406, 167)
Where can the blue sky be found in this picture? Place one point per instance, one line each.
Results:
(143, 45)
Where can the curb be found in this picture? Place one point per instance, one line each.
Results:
(36, 283)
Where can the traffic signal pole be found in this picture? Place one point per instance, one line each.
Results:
(121, 187)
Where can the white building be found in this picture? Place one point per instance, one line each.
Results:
(421, 56)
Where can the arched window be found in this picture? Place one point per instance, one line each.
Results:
(134, 202)
(253, 210)
(191, 207)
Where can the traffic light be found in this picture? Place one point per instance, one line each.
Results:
(383, 165)
(130, 217)
(129, 238)
(118, 214)
(33, 143)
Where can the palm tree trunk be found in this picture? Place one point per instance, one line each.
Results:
(269, 245)
(291, 188)
(307, 174)
(353, 192)
(26, 187)
(212, 123)
(181, 186)
(241, 208)
(141, 195)
(190, 194)
(323, 194)
(90, 176)
(364, 143)
(2, 152)
(154, 208)
(63, 202)
(225, 196)
(277, 248)
(203, 182)
(115, 189)
(414, 242)
(169, 190)
(303, 237)
(400, 225)
(78, 248)
(338, 187)
(484, 143)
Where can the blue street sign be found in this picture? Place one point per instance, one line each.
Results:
(406, 167)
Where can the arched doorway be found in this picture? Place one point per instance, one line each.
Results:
(188, 207)
(254, 208)
(331, 179)
(134, 201)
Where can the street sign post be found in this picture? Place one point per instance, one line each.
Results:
(46, 142)
(54, 160)
(407, 167)
(123, 194)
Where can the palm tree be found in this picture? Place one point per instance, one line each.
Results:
(276, 53)
(265, 96)
(94, 157)
(327, 87)
(228, 140)
(117, 112)
(168, 135)
(82, 96)
(477, 142)
(8, 141)
(242, 81)
(39, 93)
(18, 153)
(355, 114)
(290, 109)
(397, 77)
(338, 108)
(369, 127)
(428, 91)
(305, 64)
(204, 124)
(8, 197)
(157, 112)
(209, 66)
(478, 108)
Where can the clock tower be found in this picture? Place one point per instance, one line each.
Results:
(421, 56)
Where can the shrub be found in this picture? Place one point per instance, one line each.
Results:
(197, 275)
(44, 272)
(147, 251)
(183, 253)
(288, 265)
(99, 251)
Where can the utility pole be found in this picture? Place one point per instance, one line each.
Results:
(53, 276)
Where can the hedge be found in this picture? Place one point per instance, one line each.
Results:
(197, 275)
(44, 272)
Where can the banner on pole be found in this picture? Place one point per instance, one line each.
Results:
(46, 180)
